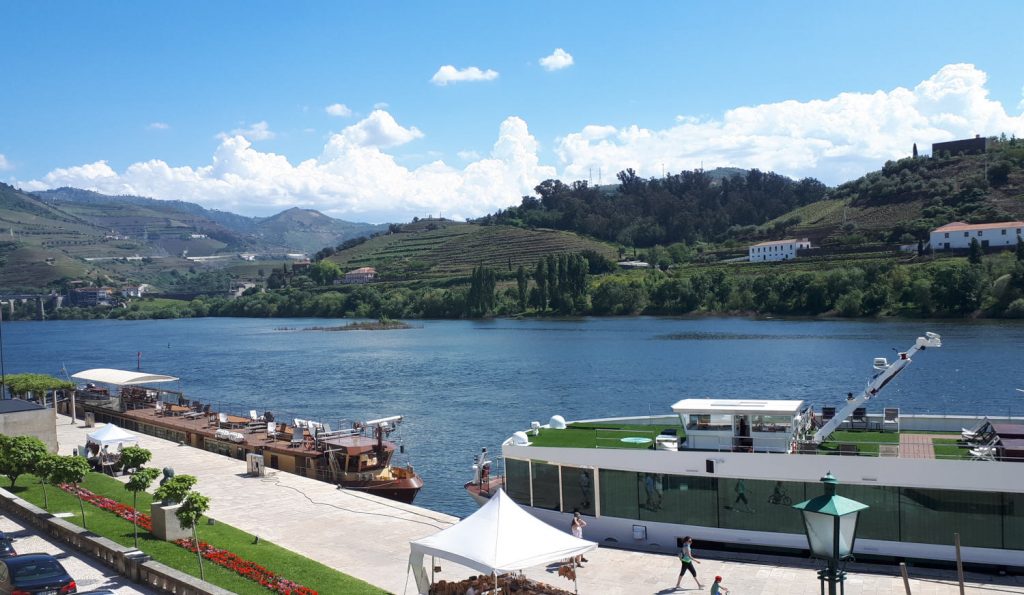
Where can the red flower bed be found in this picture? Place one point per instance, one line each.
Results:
(243, 567)
(125, 512)
(248, 569)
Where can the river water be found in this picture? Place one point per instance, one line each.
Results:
(464, 384)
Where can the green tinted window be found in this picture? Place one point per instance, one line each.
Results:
(1013, 521)
(517, 480)
(619, 494)
(757, 505)
(578, 490)
(545, 485)
(882, 520)
(932, 516)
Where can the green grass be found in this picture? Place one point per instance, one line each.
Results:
(867, 442)
(601, 435)
(949, 448)
(302, 570)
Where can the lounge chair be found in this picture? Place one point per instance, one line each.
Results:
(272, 430)
(159, 408)
(860, 416)
(983, 453)
(253, 416)
(891, 417)
(300, 423)
(222, 419)
(298, 437)
(255, 426)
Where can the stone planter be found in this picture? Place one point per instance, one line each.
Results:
(165, 525)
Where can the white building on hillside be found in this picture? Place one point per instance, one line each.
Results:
(958, 235)
(777, 250)
(361, 275)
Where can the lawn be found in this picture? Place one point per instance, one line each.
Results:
(949, 448)
(602, 435)
(292, 566)
(867, 442)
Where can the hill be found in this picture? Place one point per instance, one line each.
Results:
(438, 248)
(907, 198)
(308, 231)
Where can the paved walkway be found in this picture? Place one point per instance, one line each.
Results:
(368, 537)
(919, 446)
(88, 573)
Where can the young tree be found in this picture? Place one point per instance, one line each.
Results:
(134, 457)
(71, 470)
(43, 470)
(522, 285)
(1020, 249)
(192, 508)
(140, 482)
(19, 454)
(175, 489)
(540, 277)
(974, 255)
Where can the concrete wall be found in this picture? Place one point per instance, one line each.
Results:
(41, 423)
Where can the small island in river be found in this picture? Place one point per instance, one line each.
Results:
(378, 325)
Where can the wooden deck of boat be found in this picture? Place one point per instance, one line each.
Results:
(204, 427)
(919, 446)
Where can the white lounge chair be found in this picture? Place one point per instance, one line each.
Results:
(298, 436)
(253, 416)
(222, 419)
(271, 430)
(300, 423)
(891, 417)
(159, 407)
(983, 453)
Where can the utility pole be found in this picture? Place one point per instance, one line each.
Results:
(3, 372)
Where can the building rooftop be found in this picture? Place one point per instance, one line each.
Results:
(18, 405)
(733, 406)
(775, 242)
(961, 226)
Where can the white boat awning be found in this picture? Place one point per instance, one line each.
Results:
(738, 406)
(120, 377)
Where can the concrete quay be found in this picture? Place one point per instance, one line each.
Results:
(367, 537)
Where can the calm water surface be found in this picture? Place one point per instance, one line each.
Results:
(463, 385)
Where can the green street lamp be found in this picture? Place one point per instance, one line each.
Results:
(831, 525)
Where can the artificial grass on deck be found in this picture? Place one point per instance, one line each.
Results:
(602, 435)
(281, 561)
(866, 442)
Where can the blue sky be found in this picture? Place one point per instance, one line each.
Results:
(225, 103)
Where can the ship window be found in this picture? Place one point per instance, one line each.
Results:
(545, 485)
(619, 494)
(517, 480)
(975, 515)
(678, 499)
(578, 490)
(882, 520)
(1013, 522)
(759, 505)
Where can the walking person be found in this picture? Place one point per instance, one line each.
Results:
(577, 531)
(687, 560)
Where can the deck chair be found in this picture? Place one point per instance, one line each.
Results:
(827, 413)
(891, 417)
(860, 416)
(271, 430)
(300, 423)
(222, 419)
(983, 453)
(253, 416)
(974, 433)
(298, 437)
(159, 407)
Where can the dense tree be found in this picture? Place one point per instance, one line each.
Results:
(974, 253)
(480, 300)
(522, 286)
(19, 455)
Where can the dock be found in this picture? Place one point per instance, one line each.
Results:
(368, 537)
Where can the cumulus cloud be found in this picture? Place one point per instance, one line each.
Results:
(558, 60)
(833, 139)
(352, 177)
(158, 126)
(449, 74)
(256, 132)
(468, 155)
(4, 163)
(338, 110)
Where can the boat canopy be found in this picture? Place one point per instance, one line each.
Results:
(738, 407)
(120, 377)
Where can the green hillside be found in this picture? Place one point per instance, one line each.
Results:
(433, 249)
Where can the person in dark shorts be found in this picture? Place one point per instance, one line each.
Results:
(687, 560)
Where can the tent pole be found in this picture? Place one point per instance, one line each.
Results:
(433, 565)
(495, 573)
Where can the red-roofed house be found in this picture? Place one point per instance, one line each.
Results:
(361, 275)
(777, 250)
(958, 235)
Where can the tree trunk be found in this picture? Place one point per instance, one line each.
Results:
(81, 505)
(46, 501)
(195, 535)
(135, 520)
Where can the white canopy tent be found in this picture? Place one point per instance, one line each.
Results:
(120, 377)
(111, 435)
(500, 537)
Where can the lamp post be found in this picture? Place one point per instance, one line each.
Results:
(830, 522)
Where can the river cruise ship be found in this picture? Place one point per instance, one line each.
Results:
(729, 471)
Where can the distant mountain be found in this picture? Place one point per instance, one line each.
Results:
(166, 221)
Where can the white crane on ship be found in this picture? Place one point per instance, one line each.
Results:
(886, 372)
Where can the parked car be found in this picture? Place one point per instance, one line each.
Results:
(6, 547)
(34, 574)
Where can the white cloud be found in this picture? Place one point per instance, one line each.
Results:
(468, 155)
(4, 163)
(558, 60)
(339, 110)
(256, 132)
(833, 139)
(381, 105)
(158, 126)
(356, 177)
(449, 74)
(352, 178)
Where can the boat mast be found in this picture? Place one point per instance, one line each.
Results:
(886, 372)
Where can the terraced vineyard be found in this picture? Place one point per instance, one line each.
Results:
(454, 249)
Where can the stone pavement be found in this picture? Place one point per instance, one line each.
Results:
(88, 573)
(368, 537)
